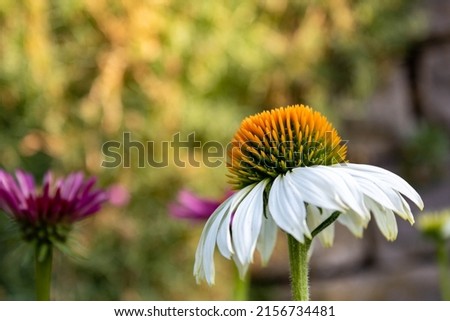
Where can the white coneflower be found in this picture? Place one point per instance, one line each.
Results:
(290, 169)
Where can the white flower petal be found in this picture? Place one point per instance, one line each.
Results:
(326, 187)
(240, 224)
(382, 193)
(395, 182)
(354, 222)
(379, 185)
(267, 238)
(204, 256)
(224, 242)
(385, 197)
(246, 224)
(385, 220)
(287, 208)
(406, 213)
(242, 268)
(314, 190)
(326, 236)
(315, 218)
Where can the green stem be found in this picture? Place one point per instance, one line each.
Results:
(241, 287)
(333, 217)
(43, 260)
(444, 276)
(298, 258)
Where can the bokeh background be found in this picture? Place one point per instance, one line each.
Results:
(76, 74)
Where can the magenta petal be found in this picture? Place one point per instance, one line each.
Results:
(48, 179)
(179, 211)
(32, 209)
(92, 206)
(195, 203)
(65, 200)
(87, 186)
(8, 203)
(44, 200)
(8, 184)
(26, 183)
(71, 186)
(190, 206)
(77, 184)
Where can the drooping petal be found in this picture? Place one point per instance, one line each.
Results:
(242, 267)
(383, 194)
(287, 207)
(376, 192)
(393, 180)
(385, 189)
(354, 222)
(267, 237)
(246, 224)
(385, 220)
(406, 212)
(325, 187)
(224, 241)
(204, 256)
(315, 218)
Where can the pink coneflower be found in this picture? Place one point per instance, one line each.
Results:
(188, 205)
(46, 215)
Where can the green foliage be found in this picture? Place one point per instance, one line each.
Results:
(75, 74)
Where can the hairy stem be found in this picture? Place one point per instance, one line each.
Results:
(298, 258)
(299, 262)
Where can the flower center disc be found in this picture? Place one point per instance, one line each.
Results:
(274, 142)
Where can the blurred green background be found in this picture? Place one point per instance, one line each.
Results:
(76, 74)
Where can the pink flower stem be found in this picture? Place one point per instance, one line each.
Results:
(43, 260)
